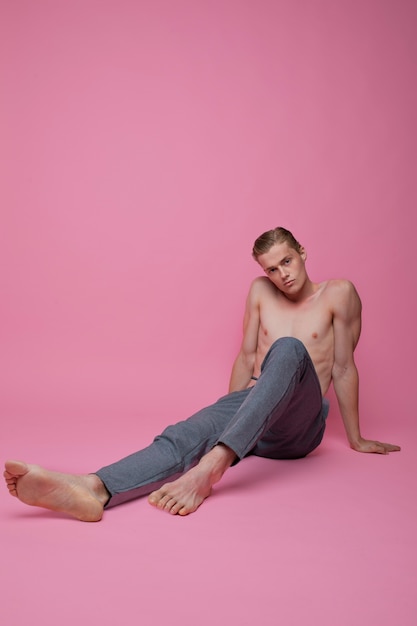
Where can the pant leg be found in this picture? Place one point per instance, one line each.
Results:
(284, 415)
(177, 449)
(280, 417)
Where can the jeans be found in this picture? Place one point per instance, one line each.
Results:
(281, 417)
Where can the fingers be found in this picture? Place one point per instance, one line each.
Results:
(371, 447)
(376, 447)
(385, 448)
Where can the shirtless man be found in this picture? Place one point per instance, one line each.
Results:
(298, 337)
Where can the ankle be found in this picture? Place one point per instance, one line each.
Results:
(225, 454)
(217, 461)
(98, 488)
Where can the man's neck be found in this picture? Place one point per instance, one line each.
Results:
(307, 290)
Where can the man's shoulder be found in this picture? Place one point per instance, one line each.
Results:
(260, 282)
(341, 294)
(339, 287)
(261, 286)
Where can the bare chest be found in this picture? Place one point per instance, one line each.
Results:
(310, 321)
(307, 321)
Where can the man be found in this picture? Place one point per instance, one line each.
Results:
(298, 337)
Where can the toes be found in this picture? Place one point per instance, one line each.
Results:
(169, 506)
(152, 499)
(11, 483)
(159, 499)
(162, 502)
(12, 489)
(16, 468)
(176, 508)
(11, 486)
(183, 511)
(155, 497)
(165, 502)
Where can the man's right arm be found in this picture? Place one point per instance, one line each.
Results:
(245, 361)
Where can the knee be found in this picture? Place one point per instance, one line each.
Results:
(289, 344)
(289, 349)
(170, 441)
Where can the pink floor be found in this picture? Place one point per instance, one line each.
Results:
(144, 145)
(326, 540)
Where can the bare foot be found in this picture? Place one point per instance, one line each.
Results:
(184, 496)
(82, 497)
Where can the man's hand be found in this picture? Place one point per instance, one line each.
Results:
(366, 445)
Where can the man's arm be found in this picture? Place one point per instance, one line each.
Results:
(347, 326)
(243, 366)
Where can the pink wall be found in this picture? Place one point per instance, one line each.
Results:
(147, 143)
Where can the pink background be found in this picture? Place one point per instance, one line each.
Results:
(144, 146)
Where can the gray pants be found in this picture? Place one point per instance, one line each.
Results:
(281, 417)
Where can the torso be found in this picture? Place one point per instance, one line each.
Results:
(310, 321)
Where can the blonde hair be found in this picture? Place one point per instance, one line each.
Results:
(277, 235)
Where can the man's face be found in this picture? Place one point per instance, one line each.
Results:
(285, 267)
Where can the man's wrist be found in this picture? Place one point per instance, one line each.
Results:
(355, 443)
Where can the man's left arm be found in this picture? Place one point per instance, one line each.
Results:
(347, 327)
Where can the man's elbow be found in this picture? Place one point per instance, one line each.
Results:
(248, 360)
(342, 370)
(338, 371)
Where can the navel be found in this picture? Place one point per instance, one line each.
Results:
(314, 335)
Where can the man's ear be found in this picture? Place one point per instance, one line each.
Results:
(303, 253)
